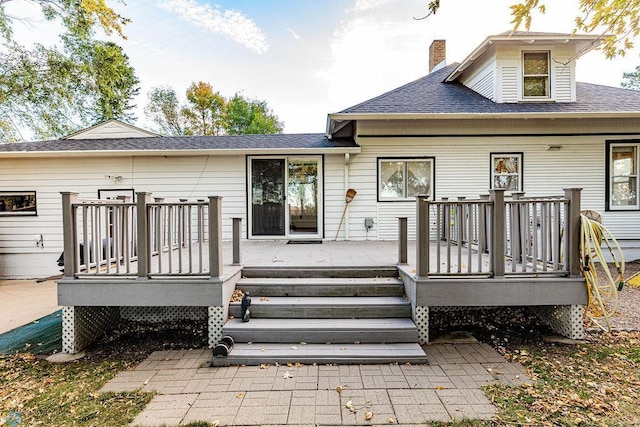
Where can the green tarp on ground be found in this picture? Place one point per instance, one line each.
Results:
(41, 336)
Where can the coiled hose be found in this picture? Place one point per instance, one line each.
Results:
(603, 291)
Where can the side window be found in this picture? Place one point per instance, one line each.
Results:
(623, 176)
(535, 80)
(506, 171)
(403, 179)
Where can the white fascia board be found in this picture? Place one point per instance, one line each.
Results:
(178, 153)
(484, 116)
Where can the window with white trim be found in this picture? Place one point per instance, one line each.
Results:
(401, 179)
(535, 75)
(506, 171)
(623, 176)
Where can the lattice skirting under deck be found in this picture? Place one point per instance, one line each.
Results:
(216, 322)
(421, 319)
(566, 320)
(82, 325)
(162, 314)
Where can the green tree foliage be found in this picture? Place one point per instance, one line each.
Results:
(205, 110)
(618, 21)
(245, 116)
(47, 92)
(164, 110)
(208, 113)
(631, 80)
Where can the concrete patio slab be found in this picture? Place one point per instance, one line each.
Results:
(23, 301)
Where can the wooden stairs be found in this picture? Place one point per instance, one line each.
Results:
(323, 316)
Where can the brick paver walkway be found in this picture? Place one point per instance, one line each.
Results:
(446, 388)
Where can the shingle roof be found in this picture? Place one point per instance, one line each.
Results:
(240, 142)
(429, 95)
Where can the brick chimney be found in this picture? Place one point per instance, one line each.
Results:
(437, 54)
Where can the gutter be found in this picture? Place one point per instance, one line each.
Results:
(177, 153)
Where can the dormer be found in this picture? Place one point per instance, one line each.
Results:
(523, 67)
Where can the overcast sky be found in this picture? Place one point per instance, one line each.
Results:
(308, 58)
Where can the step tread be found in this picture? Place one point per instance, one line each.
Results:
(297, 349)
(327, 301)
(320, 324)
(265, 353)
(319, 281)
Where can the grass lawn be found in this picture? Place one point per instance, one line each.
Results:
(592, 384)
(36, 392)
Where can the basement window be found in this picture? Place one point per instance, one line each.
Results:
(535, 83)
(402, 179)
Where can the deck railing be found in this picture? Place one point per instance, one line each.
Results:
(491, 236)
(148, 238)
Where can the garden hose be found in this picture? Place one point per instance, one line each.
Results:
(603, 292)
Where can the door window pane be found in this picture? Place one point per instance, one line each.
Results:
(303, 196)
(267, 197)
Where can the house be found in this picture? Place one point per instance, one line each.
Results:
(509, 117)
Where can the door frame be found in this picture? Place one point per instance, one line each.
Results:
(320, 198)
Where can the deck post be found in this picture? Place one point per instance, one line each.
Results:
(70, 238)
(215, 236)
(142, 230)
(517, 228)
(237, 241)
(573, 231)
(422, 235)
(483, 232)
(497, 232)
(402, 240)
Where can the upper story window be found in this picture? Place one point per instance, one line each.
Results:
(401, 179)
(623, 176)
(535, 82)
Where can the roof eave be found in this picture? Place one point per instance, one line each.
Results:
(489, 41)
(178, 153)
(478, 116)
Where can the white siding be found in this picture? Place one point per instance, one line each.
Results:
(509, 84)
(462, 168)
(334, 196)
(111, 129)
(481, 78)
(564, 87)
(172, 178)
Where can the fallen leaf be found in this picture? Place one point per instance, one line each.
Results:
(287, 375)
(339, 389)
(439, 387)
(303, 343)
(293, 347)
(264, 366)
(349, 406)
(390, 420)
(289, 364)
(368, 415)
(239, 395)
(215, 423)
(264, 299)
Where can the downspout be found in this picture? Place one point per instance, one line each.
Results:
(347, 159)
